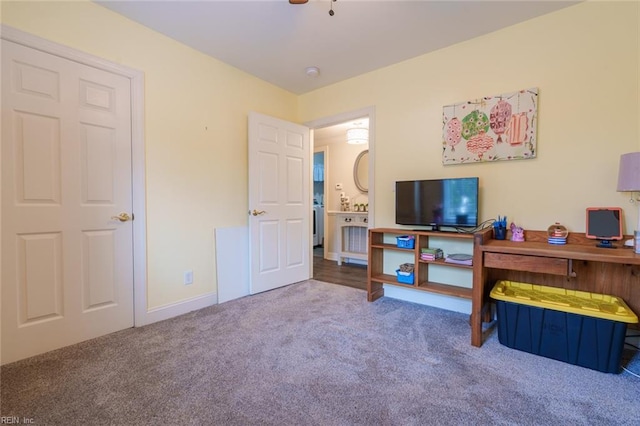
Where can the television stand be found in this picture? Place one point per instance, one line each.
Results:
(605, 244)
(383, 249)
(432, 227)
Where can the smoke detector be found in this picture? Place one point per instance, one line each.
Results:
(312, 71)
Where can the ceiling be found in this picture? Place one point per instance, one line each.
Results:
(337, 133)
(277, 41)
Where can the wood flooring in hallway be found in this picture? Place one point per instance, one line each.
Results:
(348, 274)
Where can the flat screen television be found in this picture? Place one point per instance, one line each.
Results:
(604, 224)
(437, 202)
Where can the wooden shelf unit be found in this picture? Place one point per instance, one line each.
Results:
(378, 247)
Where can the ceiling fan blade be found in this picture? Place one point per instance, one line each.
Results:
(298, 1)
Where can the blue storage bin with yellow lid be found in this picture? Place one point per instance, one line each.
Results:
(578, 327)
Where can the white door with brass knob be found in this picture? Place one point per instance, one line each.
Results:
(67, 250)
(279, 202)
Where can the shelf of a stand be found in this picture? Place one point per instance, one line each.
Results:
(378, 247)
(443, 263)
(390, 279)
(448, 290)
(428, 286)
(386, 279)
(387, 246)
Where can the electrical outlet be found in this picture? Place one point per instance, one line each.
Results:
(188, 277)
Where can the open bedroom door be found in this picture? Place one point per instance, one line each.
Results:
(279, 203)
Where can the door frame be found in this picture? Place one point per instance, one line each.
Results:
(140, 315)
(333, 120)
(325, 151)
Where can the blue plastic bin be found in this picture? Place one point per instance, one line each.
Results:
(406, 241)
(577, 327)
(404, 277)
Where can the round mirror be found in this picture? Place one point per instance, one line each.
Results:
(361, 171)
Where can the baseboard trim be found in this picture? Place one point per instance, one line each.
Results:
(165, 312)
(334, 256)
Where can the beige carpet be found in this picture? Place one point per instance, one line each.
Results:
(311, 354)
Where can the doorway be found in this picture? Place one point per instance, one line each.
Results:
(329, 139)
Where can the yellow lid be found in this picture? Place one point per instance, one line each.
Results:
(561, 299)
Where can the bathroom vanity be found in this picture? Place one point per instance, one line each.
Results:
(351, 234)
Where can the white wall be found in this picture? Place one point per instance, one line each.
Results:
(340, 160)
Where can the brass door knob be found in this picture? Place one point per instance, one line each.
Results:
(257, 212)
(122, 217)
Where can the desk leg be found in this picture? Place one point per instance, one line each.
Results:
(477, 300)
(476, 331)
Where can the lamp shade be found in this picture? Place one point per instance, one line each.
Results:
(357, 136)
(629, 172)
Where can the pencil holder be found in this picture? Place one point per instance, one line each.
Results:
(500, 233)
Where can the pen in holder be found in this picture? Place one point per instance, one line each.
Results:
(500, 228)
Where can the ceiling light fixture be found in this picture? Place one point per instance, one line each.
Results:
(312, 72)
(357, 135)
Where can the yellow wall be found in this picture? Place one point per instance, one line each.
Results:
(584, 60)
(196, 179)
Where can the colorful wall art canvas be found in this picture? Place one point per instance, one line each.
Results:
(492, 128)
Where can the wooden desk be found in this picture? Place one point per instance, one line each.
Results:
(578, 265)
